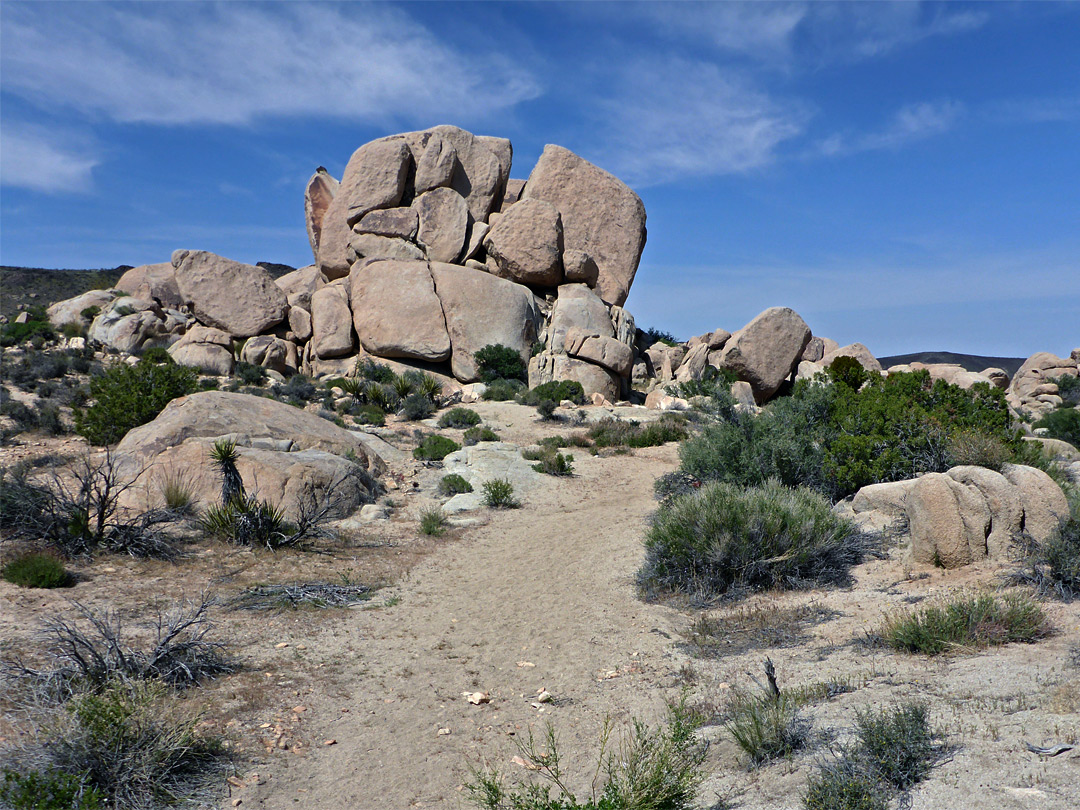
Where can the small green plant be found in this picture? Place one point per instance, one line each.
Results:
(250, 374)
(178, 491)
(459, 418)
(52, 790)
(555, 391)
(983, 620)
(546, 409)
(37, 571)
(503, 390)
(369, 415)
(722, 537)
(435, 448)
(368, 369)
(128, 396)
(223, 458)
(552, 463)
(897, 744)
(416, 407)
(454, 484)
(498, 362)
(248, 521)
(475, 435)
(433, 522)
(619, 433)
(765, 726)
(844, 785)
(90, 312)
(499, 494)
(651, 336)
(848, 371)
(1068, 388)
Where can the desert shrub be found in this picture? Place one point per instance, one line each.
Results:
(498, 362)
(250, 374)
(765, 726)
(177, 488)
(37, 571)
(475, 435)
(897, 744)
(435, 448)
(499, 494)
(416, 406)
(368, 369)
(1068, 389)
(651, 769)
(672, 485)
(1053, 566)
(459, 418)
(977, 621)
(618, 433)
(454, 484)
(159, 355)
(369, 415)
(503, 390)
(836, 439)
(847, 371)
(298, 390)
(844, 785)
(652, 336)
(209, 384)
(555, 391)
(248, 521)
(36, 326)
(381, 396)
(132, 744)
(1063, 424)
(552, 463)
(403, 385)
(433, 522)
(128, 396)
(723, 538)
(51, 790)
(546, 409)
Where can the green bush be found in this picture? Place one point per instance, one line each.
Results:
(1063, 424)
(503, 390)
(459, 418)
(435, 448)
(433, 522)
(37, 571)
(157, 354)
(897, 744)
(416, 407)
(128, 396)
(723, 537)
(651, 336)
(1053, 566)
(36, 326)
(977, 621)
(498, 362)
(847, 371)
(546, 409)
(766, 727)
(499, 494)
(619, 433)
(250, 374)
(1068, 388)
(844, 785)
(52, 790)
(454, 484)
(555, 391)
(376, 372)
(475, 435)
(553, 463)
(369, 415)
(247, 521)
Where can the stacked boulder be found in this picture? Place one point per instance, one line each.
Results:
(1033, 390)
(425, 251)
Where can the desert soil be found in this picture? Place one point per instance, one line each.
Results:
(367, 708)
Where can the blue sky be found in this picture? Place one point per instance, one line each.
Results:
(903, 175)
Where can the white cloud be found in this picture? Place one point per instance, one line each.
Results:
(231, 64)
(676, 118)
(34, 158)
(760, 30)
(1034, 110)
(913, 122)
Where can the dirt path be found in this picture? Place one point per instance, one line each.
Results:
(540, 597)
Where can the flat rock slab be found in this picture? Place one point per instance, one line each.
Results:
(484, 462)
(396, 312)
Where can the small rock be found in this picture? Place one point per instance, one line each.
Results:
(329, 742)
(443, 732)
(477, 698)
(281, 645)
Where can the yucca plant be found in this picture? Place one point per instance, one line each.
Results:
(223, 456)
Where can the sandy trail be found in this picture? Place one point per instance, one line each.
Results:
(550, 585)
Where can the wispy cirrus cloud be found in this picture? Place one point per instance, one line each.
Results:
(674, 118)
(39, 159)
(911, 123)
(195, 63)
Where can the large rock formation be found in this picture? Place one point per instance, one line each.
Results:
(238, 298)
(766, 351)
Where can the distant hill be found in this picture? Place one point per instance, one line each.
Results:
(38, 285)
(969, 362)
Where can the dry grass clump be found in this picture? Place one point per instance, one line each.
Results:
(745, 628)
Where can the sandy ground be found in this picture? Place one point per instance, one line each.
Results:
(364, 708)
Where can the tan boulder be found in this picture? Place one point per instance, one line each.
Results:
(577, 306)
(855, 350)
(808, 370)
(579, 267)
(693, 365)
(766, 351)
(400, 222)
(436, 166)
(270, 352)
(601, 215)
(332, 321)
(152, 281)
(546, 367)
(514, 188)
(131, 324)
(396, 312)
(743, 395)
(299, 323)
(205, 348)
(371, 247)
(239, 298)
(526, 244)
(300, 285)
(623, 327)
(814, 351)
(1004, 502)
(604, 351)
(444, 223)
(1037, 370)
(948, 521)
(1045, 506)
(480, 310)
(503, 151)
(998, 377)
(318, 195)
(70, 310)
(475, 243)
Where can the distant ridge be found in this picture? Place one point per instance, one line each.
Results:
(969, 362)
